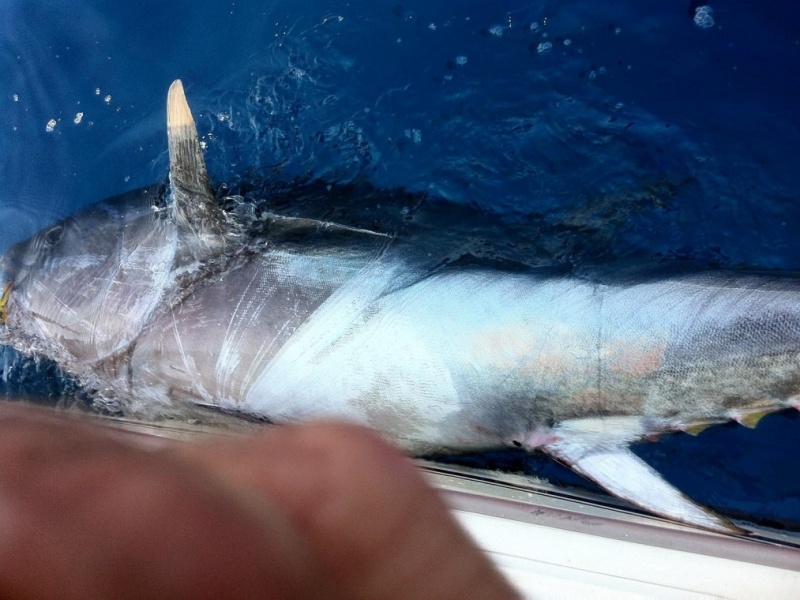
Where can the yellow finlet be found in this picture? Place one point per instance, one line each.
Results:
(696, 429)
(4, 302)
(751, 419)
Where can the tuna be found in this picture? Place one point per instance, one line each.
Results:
(168, 300)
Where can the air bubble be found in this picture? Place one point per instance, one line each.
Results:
(461, 60)
(544, 47)
(51, 125)
(78, 118)
(107, 99)
(496, 30)
(704, 17)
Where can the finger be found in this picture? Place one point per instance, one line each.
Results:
(83, 514)
(378, 529)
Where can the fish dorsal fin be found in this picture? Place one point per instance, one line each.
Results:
(195, 208)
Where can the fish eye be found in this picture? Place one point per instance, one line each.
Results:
(53, 235)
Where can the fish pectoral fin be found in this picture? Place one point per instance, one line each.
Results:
(620, 472)
(302, 223)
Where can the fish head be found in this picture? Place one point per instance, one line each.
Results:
(86, 284)
(68, 241)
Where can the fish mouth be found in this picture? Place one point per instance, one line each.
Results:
(14, 268)
(10, 264)
(4, 301)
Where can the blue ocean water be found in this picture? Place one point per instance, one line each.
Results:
(586, 132)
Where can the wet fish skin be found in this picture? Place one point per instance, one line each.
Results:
(170, 305)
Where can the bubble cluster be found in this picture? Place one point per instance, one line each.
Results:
(461, 60)
(544, 47)
(414, 134)
(704, 17)
(51, 125)
(496, 30)
(78, 118)
(593, 74)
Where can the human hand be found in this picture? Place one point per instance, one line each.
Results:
(310, 511)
